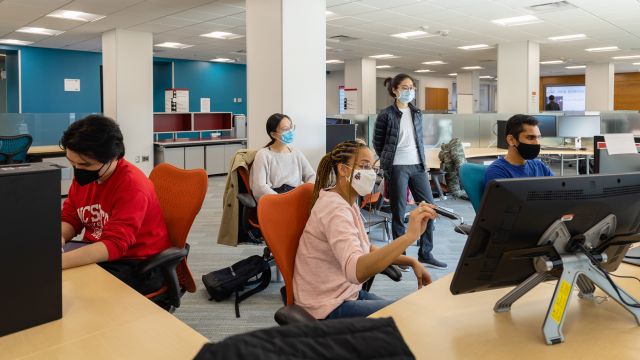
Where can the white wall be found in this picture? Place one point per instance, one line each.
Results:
(334, 80)
(599, 80)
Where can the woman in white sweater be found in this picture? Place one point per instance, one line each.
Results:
(278, 167)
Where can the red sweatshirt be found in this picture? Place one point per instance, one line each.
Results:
(122, 212)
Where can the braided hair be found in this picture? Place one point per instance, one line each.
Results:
(327, 173)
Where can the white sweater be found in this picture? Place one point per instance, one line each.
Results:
(272, 170)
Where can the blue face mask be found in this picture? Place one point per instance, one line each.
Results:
(406, 96)
(287, 137)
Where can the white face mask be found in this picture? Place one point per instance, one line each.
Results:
(363, 181)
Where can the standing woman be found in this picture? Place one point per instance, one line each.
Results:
(398, 142)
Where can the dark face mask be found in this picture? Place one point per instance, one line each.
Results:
(528, 151)
(84, 177)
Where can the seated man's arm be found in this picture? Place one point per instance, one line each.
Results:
(90, 254)
(495, 172)
(67, 232)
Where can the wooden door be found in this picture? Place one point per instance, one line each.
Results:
(436, 99)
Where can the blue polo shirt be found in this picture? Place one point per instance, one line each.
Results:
(502, 169)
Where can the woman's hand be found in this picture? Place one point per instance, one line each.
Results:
(419, 218)
(423, 276)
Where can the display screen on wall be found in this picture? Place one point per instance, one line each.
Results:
(569, 97)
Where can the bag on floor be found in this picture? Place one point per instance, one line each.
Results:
(254, 272)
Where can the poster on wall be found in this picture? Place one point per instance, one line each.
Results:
(348, 100)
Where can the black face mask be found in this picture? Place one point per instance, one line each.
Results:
(528, 151)
(84, 177)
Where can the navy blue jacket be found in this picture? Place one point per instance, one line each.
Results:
(387, 132)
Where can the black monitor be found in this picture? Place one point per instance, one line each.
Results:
(337, 121)
(547, 125)
(339, 133)
(502, 134)
(610, 164)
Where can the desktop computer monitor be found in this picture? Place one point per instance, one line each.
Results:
(547, 125)
(502, 134)
(603, 163)
(515, 213)
(578, 126)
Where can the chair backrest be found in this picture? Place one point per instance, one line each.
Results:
(243, 175)
(472, 178)
(13, 149)
(282, 220)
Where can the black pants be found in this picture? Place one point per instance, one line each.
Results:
(127, 272)
(414, 177)
(283, 189)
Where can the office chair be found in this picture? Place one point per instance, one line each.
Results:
(472, 179)
(13, 149)
(249, 226)
(283, 218)
(181, 194)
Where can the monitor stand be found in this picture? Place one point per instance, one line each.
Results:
(576, 270)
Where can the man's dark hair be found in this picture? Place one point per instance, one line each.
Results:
(95, 136)
(551, 97)
(515, 124)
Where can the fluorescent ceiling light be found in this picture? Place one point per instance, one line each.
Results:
(423, 70)
(222, 35)
(328, 13)
(626, 57)
(638, 63)
(382, 56)
(518, 20)
(575, 67)
(413, 35)
(437, 62)
(474, 47)
(486, 77)
(334, 61)
(173, 45)
(383, 66)
(568, 37)
(76, 15)
(603, 49)
(453, 74)
(472, 68)
(549, 62)
(224, 60)
(15, 42)
(39, 31)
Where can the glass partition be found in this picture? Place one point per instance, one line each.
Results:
(46, 129)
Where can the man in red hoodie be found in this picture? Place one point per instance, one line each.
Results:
(115, 204)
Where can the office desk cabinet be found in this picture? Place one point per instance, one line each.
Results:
(212, 155)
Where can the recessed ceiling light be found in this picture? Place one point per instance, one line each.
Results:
(472, 68)
(382, 56)
(638, 63)
(413, 35)
(603, 49)
(383, 66)
(15, 42)
(423, 71)
(626, 57)
(568, 37)
(173, 45)
(517, 20)
(475, 47)
(39, 31)
(486, 77)
(222, 35)
(224, 60)
(437, 62)
(453, 74)
(334, 61)
(575, 67)
(549, 62)
(76, 15)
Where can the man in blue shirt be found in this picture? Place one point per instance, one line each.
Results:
(523, 137)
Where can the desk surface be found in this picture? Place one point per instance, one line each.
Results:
(104, 319)
(46, 150)
(436, 324)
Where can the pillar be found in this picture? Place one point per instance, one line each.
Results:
(519, 77)
(599, 80)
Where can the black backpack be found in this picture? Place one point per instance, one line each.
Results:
(254, 271)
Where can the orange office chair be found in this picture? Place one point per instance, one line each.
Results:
(181, 194)
(249, 226)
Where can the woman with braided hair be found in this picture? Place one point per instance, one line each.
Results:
(334, 256)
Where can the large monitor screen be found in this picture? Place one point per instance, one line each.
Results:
(569, 97)
(578, 126)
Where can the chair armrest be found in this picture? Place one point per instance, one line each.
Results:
(170, 256)
(393, 273)
(292, 314)
(167, 262)
(247, 200)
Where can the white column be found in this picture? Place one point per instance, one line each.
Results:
(518, 77)
(361, 74)
(286, 70)
(127, 65)
(468, 91)
(599, 80)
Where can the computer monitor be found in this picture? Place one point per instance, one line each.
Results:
(337, 121)
(339, 133)
(529, 230)
(502, 134)
(578, 126)
(547, 125)
(603, 163)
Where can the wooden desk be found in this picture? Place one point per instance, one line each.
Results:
(437, 325)
(104, 319)
(48, 150)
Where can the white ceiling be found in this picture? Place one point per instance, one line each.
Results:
(606, 23)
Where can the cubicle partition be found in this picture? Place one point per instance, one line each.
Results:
(45, 128)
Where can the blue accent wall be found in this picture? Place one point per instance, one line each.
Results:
(13, 81)
(43, 74)
(161, 81)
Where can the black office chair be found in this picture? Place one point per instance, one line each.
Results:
(13, 149)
